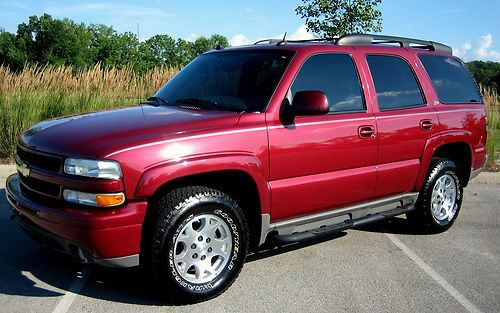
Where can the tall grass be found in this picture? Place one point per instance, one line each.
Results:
(493, 107)
(41, 92)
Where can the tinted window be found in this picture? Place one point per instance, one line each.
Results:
(395, 83)
(450, 78)
(237, 80)
(336, 77)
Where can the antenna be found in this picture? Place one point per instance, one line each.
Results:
(138, 31)
(283, 41)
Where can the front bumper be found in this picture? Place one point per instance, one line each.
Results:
(110, 237)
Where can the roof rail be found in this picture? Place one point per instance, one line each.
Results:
(268, 41)
(368, 39)
(280, 41)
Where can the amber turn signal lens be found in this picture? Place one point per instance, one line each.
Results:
(109, 200)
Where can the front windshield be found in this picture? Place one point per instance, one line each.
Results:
(241, 81)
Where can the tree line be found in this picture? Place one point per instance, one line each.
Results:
(46, 40)
(486, 73)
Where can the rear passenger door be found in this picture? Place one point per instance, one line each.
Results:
(324, 161)
(405, 121)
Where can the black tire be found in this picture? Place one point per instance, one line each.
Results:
(423, 217)
(172, 213)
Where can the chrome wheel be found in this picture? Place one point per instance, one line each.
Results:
(443, 199)
(202, 248)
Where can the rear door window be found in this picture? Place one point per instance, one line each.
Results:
(452, 81)
(395, 83)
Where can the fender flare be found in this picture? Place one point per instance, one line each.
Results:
(434, 143)
(159, 175)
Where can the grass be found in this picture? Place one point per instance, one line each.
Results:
(38, 93)
(42, 92)
(492, 102)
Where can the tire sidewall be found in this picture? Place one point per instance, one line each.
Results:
(189, 211)
(444, 168)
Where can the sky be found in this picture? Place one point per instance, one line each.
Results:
(471, 27)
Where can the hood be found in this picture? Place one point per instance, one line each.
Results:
(96, 134)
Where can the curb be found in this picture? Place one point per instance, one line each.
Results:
(487, 178)
(6, 170)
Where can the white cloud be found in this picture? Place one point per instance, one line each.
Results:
(463, 51)
(239, 40)
(301, 33)
(480, 50)
(192, 37)
(484, 50)
(453, 11)
(298, 34)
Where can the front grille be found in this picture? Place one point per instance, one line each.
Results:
(40, 198)
(36, 189)
(40, 186)
(40, 160)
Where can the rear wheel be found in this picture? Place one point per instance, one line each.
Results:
(440, 198)
(199, 242)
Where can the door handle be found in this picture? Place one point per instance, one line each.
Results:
(367, 131)
(426, 125)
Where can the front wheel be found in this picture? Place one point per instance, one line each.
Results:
(440, 198)
(199, 243)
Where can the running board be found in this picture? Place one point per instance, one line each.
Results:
(336, 228)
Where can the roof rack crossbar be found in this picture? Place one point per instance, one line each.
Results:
(368, 39)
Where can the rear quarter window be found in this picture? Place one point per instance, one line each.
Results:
(451, 80)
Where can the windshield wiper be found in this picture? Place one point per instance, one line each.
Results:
(156, 101)
(204, 103)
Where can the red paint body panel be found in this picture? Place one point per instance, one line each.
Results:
(313, 164)
(304, 195)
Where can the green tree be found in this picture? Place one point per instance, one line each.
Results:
(160, 49)
(184, 52)
(53, 41)
(46, 40)
(486, 73)
(11, 53)
(330, 18)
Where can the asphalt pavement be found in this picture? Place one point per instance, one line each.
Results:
(386, 267)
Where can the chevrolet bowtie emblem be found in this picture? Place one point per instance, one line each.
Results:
(23, 169)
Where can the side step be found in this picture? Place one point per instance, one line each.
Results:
(332, 229)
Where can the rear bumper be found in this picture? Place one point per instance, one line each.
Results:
(108, 237)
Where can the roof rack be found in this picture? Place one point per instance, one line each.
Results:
(369, 39)
(280, 41)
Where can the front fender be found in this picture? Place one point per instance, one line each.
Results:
(153, 178)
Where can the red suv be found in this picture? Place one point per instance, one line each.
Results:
(281, 141)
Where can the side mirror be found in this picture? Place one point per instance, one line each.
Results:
(309, 102)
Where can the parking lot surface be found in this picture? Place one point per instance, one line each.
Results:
(387, 267)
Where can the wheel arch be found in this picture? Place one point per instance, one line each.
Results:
(241, 182)
(455, 147)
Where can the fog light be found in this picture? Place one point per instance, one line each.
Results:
(93, 199)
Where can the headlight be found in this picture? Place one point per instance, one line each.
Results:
(93, 199)
(93, 168)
